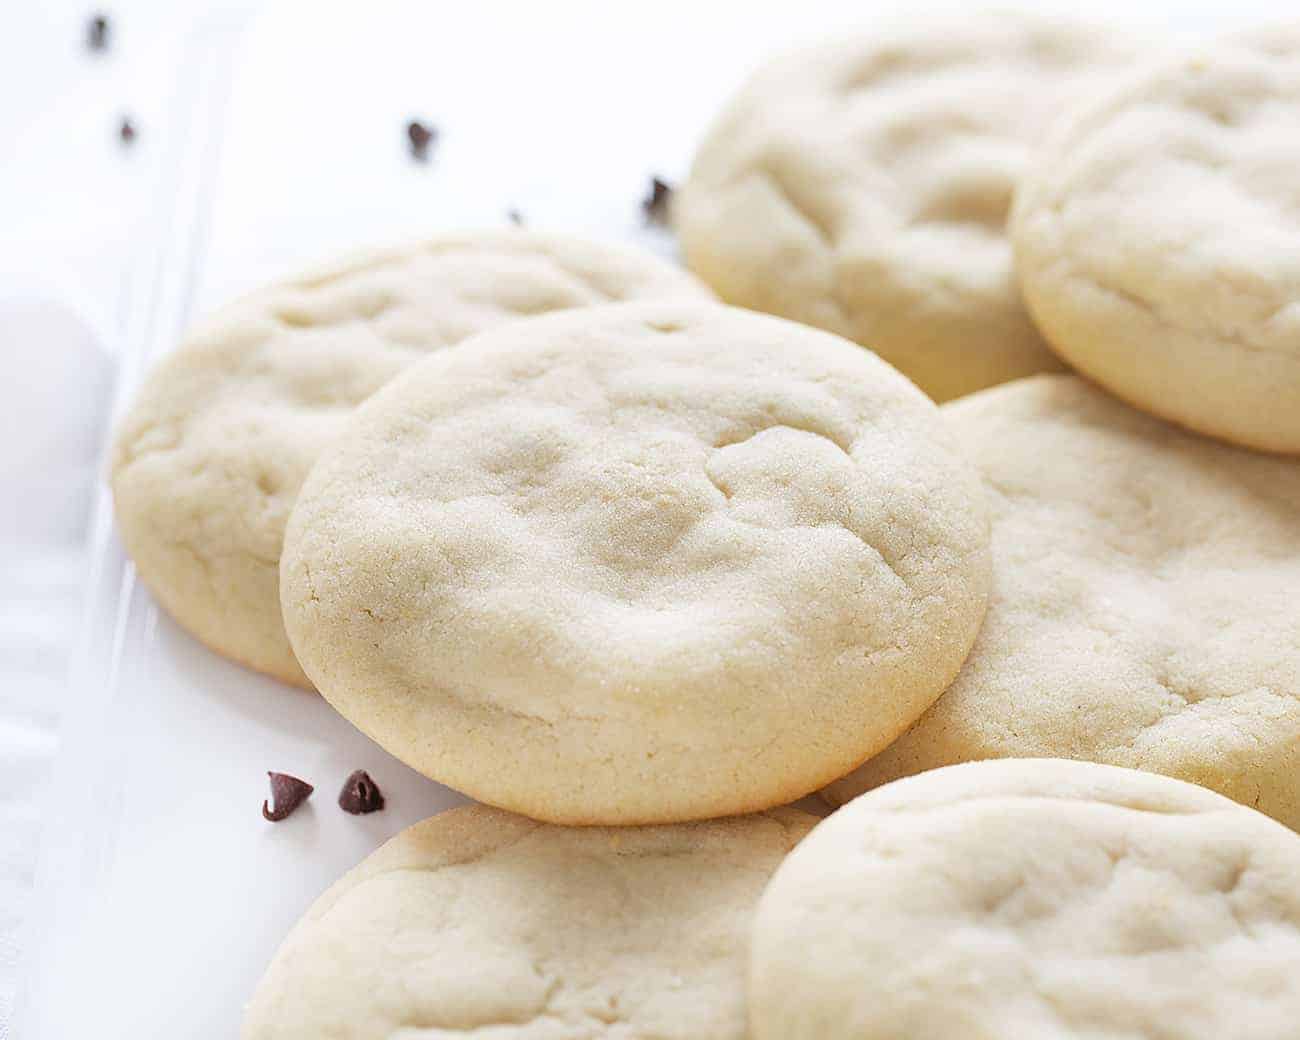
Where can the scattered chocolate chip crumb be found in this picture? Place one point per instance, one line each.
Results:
(97, 33)
(287, 793)
(655, 204)
(515, 217)
(360, 794)
(126, 132)
(420, 138)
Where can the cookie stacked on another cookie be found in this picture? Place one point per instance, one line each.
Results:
(208, 461)
(639, 563)
(1158, 240)
(1032, 899)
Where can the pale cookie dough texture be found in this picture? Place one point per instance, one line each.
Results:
(1145, 608)
(1034, 900)
(1158, 241)
(863, 186)
(639, 564)
(210, 457)
(477, 923)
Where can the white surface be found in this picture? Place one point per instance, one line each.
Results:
(68, 197)
(52, 423)
(72, 199)
(163, 892)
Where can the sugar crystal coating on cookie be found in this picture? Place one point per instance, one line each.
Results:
(638, 563)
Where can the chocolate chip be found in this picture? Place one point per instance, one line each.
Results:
(515, 217)
(655, 204)
(287, 793)
(126, 132)
(420, 138)
(360, 794)
(97, 31)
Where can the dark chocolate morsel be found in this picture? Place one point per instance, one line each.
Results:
(360, 794)
(97, 29)
(287, 793)
(420, 138)
(655, 204)
(126, 131)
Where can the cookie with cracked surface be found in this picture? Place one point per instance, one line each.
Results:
(863, 186)
(209, 459)
(1037, 899)
(1158, 241)
(1144, 609)
(477, 922)
(639, 563)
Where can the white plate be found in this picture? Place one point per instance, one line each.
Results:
(162, 891)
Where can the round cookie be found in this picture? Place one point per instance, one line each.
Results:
(638, 564)
(1156, 241)
(476, 922)
(209, 459)
(1144, 610)
(1032, 899)
(863, 186)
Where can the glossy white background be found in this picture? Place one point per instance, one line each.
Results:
(264, 143)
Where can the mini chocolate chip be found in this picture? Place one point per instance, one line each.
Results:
(360, 794)
(126, 132)
(655, 204)
(287, 793)
(97, 31)
(420, 138)
(515, 217)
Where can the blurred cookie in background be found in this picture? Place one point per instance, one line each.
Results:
(863, 186)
